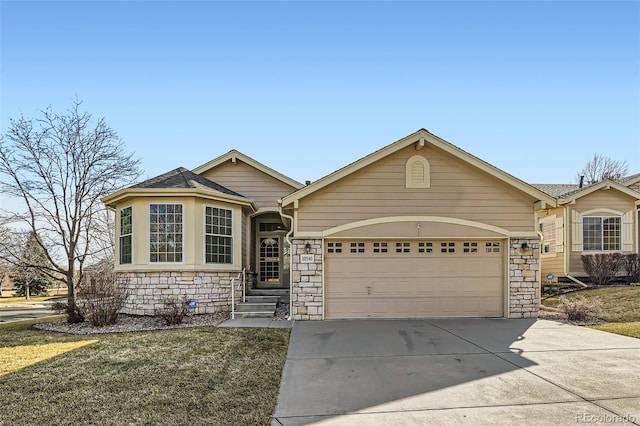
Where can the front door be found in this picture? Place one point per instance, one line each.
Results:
(269, 262)
(272, 253)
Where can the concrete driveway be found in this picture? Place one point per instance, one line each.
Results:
(457, 371)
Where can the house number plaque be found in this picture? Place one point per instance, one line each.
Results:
(307, 258)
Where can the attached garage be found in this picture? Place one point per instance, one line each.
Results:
(417, 229)
(414, 278)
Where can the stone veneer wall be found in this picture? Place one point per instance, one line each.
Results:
(524, 278)
(149, 291)
(306, 292)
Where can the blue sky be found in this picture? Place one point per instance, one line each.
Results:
(533, 87)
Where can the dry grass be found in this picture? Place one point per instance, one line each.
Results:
(619, 304)
(203, 375)
(620, 308)
(631, 329)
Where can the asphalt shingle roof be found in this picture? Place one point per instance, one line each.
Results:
(557, 190)
(185, 179)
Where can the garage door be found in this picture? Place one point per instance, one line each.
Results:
(409, 279)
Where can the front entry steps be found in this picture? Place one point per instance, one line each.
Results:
(257, 307)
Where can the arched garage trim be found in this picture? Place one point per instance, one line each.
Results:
(417, 220)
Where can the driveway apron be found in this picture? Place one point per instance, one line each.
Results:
(457, 371)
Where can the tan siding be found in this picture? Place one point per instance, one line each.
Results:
(242, 178)
(457, 190)
(635, 187)
(607, 199)
(554, 264)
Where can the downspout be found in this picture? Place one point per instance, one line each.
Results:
(288, 238)
(569, 246)
(577, 281)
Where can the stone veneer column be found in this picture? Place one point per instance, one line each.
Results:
(524, 278)
(149, 291)
(306, 291)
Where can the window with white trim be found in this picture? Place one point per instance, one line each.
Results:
(126, 232)
(165, 233)
(601, 233)
(218, 235)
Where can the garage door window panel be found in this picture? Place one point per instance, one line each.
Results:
(403, 247)
(334, 248)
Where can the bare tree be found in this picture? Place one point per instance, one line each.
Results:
(59, 166)
(601, 167)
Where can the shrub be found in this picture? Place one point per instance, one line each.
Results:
(632, 268)
(579, 308)
(59, 307)
(174, 311)
(602, 268)
(100, 299)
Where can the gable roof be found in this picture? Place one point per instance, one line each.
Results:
(179, 182)
(603, 185)
(421, 138)
(235, 155)
(556, 190)
(183, 178)
(630, 180)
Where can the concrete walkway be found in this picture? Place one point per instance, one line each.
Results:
(457, 371)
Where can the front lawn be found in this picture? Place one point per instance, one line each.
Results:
(620, 308)
(204, 375)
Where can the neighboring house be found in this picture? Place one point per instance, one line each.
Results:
(419, 228)
(600, 218)
(632, 182)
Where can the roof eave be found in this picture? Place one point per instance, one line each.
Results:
(605, 184)
(127, 193)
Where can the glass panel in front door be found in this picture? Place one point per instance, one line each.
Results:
(270, 259)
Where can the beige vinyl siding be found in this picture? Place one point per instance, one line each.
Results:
(457, 190)
(635, 187)
(244, 179)
(555, 263)
(603, 199)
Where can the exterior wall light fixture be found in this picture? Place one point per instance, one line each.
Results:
(307, 248)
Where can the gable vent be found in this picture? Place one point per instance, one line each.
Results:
(417, 172)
